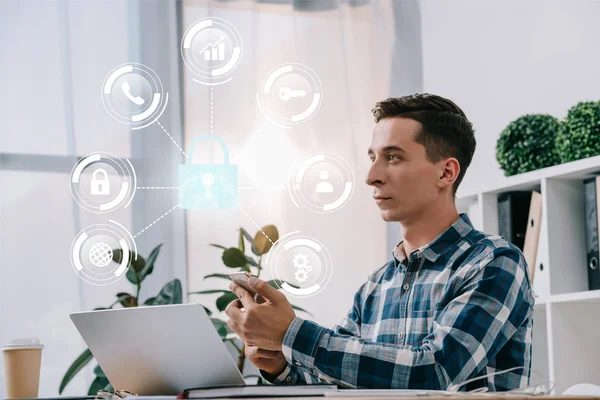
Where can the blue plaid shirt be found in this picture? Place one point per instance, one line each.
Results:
(457, 308)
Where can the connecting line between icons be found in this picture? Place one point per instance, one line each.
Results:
(255, 224)
(170, 137)
(158, 187)
(158, 219)
(259, 188)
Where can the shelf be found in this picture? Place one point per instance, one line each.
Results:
(589, 296)
(579, 169)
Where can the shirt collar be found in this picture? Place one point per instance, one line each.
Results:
(442, 243)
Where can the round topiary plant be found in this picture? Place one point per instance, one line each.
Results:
(528, 143)
(579, 136)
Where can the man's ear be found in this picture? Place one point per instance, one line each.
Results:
(450, 168)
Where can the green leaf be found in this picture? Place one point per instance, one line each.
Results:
(224, 276)
(100, 383)
(275, 283)
(252, 261)
(149, 267)
(132, 276)
(224, 300)
(241, 246)
(150, 301)
(98, 371)
(171, 293)
(134, 266)
(234, 258)
(218, 246)
(221, 327)
(81, 361)
(212, 291)
(208, 312)
(250, 240)
(303, 310)
(127, 300)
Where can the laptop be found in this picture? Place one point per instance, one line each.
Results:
(158, 350)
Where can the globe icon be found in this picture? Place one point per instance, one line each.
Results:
(100, 254)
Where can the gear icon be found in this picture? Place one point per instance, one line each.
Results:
(300, 261)
(301, 275)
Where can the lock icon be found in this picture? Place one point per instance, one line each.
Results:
(204, 186)
(100, 186)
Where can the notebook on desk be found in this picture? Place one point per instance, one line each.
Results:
(242, 391)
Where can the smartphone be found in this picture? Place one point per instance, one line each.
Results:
(241, 278)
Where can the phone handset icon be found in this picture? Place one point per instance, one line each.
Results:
(127, 92)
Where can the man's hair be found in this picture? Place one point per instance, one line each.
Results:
(445, 130)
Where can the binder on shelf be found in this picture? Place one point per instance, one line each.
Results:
(532, 233)
(591, 205)
(513, 214)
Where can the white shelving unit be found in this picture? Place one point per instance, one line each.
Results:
(566, 328)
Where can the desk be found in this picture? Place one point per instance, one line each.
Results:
(490, 396)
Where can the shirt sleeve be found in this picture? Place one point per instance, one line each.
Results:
(294, 374)
(488, 309)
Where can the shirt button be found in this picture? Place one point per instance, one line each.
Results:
(401, 335)
(298, 364)
(406, 286)
(289, 378)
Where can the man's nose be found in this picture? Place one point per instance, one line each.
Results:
(374, 176)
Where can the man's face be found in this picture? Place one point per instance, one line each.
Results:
(404, 181)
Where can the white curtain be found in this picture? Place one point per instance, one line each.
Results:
(350, 45)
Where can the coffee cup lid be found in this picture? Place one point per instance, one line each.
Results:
(23, 344)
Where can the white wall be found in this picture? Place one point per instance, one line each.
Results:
(501, 59)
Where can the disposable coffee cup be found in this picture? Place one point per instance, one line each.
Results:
(22, 364)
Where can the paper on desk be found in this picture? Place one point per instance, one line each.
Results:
(384, 393)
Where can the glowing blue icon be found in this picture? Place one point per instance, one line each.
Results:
(208, 185)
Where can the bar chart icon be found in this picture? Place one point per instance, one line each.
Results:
(214, 51)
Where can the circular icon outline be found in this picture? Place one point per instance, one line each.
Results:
(212, 76)
(155, 108)
(121, 235)
(128, 184)
(281, 120)
(285, 244)
(296, 179)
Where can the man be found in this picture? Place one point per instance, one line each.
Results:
(453, 303)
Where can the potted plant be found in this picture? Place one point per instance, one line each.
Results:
(236, 259)
(579, 136)
(528, 143)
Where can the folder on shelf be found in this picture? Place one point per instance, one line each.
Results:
(513, 211)
(532, 233)
(591, 205)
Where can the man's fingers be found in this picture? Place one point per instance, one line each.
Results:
(245, 297)
(233, 310)
(265, 290)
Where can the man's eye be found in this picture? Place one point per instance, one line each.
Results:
(394, 157)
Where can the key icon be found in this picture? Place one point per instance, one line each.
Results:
(285, 93)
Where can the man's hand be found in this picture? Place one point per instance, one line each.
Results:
(272, 362)
(260, 325)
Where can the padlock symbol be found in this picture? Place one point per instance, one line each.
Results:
(100, 186)
(208, 185)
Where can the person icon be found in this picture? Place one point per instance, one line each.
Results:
(324, 186)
